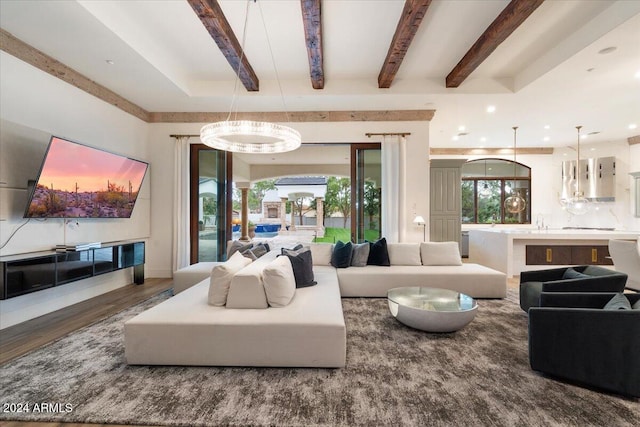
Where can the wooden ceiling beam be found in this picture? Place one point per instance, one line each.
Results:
(297, 116)
(412, 14)
(216, 23)
(488, 151)
(312, 20)
(506, 23)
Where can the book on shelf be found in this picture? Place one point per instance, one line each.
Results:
(78, 246)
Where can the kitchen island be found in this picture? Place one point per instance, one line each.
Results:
(513, 250)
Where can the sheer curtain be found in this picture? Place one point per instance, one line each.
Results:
(393, 187)
(181, 232)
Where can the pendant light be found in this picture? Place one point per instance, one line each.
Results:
(247, 136)
(514, 203)
(485, 191)
(578, 204)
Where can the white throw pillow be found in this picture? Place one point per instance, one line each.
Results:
(440, 253)
(221, 276)
(279, 282)
(404, 253)
(321, 253)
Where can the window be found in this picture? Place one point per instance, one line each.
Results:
(486, 183)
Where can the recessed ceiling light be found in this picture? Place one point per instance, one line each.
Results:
(455, 137)
(637, 74)
(607, 50)
(584, 136)
(547, 127)
(110, 61)
(545, 139)
(491, 109)
(633, 126)
(483, 139)
(481, 146)
(564, 154)
(461, 128)
(593, 149)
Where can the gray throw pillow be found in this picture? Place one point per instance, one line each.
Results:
(236, 246)
(570, 273)
(618, 302)
(360, 255)
(258, 250)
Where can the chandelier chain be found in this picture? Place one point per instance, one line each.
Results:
(273, 61)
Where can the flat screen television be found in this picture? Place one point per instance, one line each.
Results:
(78, 181)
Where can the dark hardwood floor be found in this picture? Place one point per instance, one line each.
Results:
(20, 339)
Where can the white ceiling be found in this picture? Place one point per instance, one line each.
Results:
(165, 60)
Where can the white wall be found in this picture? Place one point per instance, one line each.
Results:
(546, 184)
(33, 106)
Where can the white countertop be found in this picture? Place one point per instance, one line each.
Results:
(535, 234)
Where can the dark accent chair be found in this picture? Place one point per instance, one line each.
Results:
(532, 283)
(572, 337)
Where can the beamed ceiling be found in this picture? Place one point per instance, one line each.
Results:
(540, 63)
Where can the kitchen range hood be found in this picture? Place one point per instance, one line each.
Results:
(597, 178)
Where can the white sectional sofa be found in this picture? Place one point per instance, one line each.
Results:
(309, 332)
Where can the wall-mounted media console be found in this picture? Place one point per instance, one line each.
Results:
(26, 273)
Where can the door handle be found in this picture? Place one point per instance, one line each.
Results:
(594, 255)
(549, 255)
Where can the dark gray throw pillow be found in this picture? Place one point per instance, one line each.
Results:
(570, 273)
(378, 253)
(341, 256)
(302, 264)
(618, 302)
(259, 250)
(360, 255)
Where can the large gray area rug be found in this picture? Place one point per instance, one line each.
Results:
(394, 376)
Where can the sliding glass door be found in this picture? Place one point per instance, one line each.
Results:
(210, 203)
(366, 189)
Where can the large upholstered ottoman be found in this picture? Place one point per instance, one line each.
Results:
(186, 330)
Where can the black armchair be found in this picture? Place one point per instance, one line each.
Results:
(601, 279)
(572, 337)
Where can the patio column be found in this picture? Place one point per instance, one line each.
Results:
(244, 227)
(283, 214)
(292, 227)
(320, 214)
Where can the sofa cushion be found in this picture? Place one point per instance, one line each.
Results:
(302, 264)
(636, 305)
(440, 253)
(378, 253)
(618, 302)
(404, 253)
(247, 288)
(360, 254)
(570, 273)
(221, 277)
(321, 253)
(474, 280)
(279, 282)
(341, 257)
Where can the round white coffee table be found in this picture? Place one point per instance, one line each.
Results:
(431, 309)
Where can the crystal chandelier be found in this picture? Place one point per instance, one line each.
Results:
(578, 204)
(247, 136)
(514, 203)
